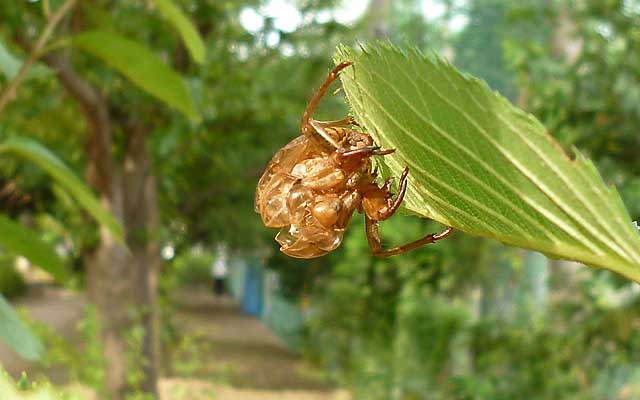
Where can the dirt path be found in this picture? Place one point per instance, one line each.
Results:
(239, 358)
(245, 355)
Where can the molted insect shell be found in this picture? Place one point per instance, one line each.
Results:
(296, 240)
(275, 212)
(318, 173)
(327, 210)
(299, 200)
(280, 164)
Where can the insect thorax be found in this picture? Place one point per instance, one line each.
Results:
(349, 138)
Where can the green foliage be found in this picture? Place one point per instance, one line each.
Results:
(134, 360)
(183, 25)
(192, 268)
(23, 389)
(375, 323)
(588, 99)
(422, 313)
(52, 165)
(481, 165)
(12, 283)
(84, 363)
(296, 276)
(141, 66)
(18, 240)
(408, 333)
(23, 383)
(479, 48)
(16, 334)
(448, 321)
(10, 64)
(188, 354)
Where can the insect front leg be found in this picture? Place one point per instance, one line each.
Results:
(341, 122)
(378, 203)
(320, 130)
(313, 103)
(309, 126)
(359, 153)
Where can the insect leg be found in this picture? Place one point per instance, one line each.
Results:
(373, 237)
(387, 184)
(394, 204)
(313, 103)
(320, 131)
(341, 122)
(364, 152)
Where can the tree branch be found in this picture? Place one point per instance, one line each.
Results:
(96, 112)
(55, 19)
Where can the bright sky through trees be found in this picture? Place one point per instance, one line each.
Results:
(287, 18)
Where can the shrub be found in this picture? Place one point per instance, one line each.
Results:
(12, 283)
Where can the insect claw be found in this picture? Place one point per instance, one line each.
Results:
(387, 184)
(404, 173)
(339, 68)
(383, 152)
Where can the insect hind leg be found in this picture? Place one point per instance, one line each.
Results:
(373, 238)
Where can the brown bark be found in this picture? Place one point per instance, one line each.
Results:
(141, 220)
(564, 42)
(121, 285)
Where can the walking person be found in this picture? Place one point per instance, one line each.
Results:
(219, 270)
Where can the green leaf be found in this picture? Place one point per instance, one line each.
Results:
(188, 32)
(18, 240)
(33, 151)
(23, 383)
(141, 66)
(10, 65)
(16, 334)
(482, 166)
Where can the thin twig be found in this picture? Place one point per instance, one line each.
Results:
(45, 8)
(55, 19)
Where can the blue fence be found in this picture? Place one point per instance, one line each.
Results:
(258, 292)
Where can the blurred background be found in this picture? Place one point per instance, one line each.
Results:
(203, 306)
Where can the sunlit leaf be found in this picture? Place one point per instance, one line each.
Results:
(141, 66)
(16, 334)
(18, 240)
(481, 165)
(187, 31)
(33, 151)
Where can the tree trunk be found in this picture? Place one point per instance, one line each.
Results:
(141, 220)
(122, 285)
(564, 42)
(379, 19)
